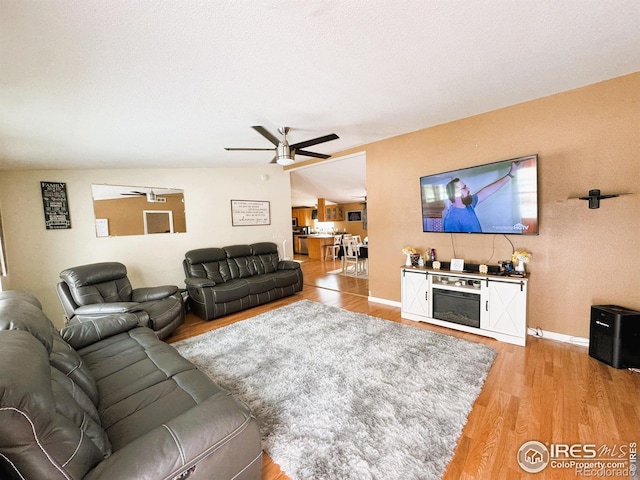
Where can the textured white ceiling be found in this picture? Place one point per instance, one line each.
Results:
(148, 83)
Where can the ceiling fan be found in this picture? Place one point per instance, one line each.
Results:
(152, 197)
(285, 153)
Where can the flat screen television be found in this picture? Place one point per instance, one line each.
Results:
(499, 197)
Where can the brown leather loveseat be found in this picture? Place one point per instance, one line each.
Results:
(106, 399)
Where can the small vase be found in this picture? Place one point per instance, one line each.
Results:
(520, 266)
(408, 262)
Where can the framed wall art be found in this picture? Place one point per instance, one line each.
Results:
(250, 212)
(354, 215)
(56, 206)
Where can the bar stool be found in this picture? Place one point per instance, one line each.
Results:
(332, 250)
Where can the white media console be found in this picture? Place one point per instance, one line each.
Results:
(490, 305)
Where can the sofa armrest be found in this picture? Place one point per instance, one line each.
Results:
(92, 330)
(147, 294)
(288, 265)
(108, 308)
(199, 282)
(216, 433)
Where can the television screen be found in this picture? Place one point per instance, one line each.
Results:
(500, 197)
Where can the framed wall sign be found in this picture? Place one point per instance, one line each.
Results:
(250, 212)
(56, 207)
(354, 215)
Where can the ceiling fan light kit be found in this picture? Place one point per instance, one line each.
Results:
(285, 160)
(285, 153)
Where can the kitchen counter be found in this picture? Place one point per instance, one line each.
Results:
(317, 242)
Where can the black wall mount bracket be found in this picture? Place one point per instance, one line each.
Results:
(595, 196)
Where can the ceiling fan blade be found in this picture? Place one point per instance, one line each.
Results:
(263, 131)
(249, 149)
(275, 160)
(311, 154)
(314, 141)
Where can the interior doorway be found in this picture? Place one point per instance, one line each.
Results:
(157, 221)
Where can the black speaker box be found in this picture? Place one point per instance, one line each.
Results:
(614, 336)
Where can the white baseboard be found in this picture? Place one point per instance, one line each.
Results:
(559, 337)
(384, 301)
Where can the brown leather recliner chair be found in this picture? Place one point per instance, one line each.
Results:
(98, 289)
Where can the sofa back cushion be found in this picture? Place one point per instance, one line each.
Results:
(232, 262)
(208, 263)
(68, 362)
(20, 314)
(241, 263)
(44, 432)
(105, 282)
(266, 254)
(20, 295)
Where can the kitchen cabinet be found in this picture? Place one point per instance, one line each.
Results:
(303, 215)
(334, 213)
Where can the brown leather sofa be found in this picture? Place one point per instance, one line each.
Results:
(225, 280)
(106, 399)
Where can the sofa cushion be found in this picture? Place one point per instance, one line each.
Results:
(18, 314)
(17, 294)
(163, 312)
(230, 291)
(235, 251)
(285, 278)
(44, 431)
(240, 261)
(267, 253)
(206, 263)
(68, 362)
(242, 267)
(98, 283)
(143, 383)
(261, 283)
(73, 404)
(90, 330)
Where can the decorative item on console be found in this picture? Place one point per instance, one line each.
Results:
(519, 258)
(408, 251)
(506, 266)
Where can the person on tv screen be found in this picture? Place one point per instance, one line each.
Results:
(461, 216)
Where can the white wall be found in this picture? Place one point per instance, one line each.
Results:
(35, 256)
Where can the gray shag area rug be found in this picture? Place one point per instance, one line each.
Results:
(343, 395)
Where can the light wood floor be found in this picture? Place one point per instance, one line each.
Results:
(548, 391)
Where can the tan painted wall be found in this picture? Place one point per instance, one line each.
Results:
(586, 138)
